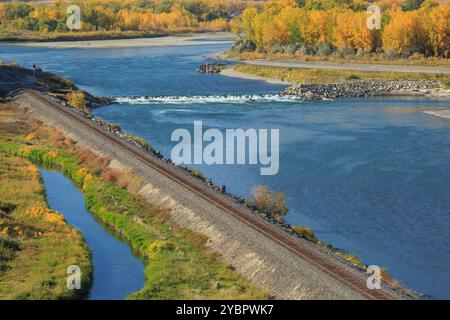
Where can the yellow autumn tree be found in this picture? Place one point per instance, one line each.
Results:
(438, 28)
(274, 7)
(315, 27)
(351, 31)
(235, 26)
(287, 25)
(344, 32)
(404, 32)
(262, 28)
(248, 20)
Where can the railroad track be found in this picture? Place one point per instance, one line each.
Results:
(326, 262)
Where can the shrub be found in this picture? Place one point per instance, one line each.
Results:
(304, 50)
(111, 175)
(343, 52)
(243, 45)
(353, 259)
(291, 48)
(100, 162)
(31, 137)
(276, 48)
(86, 156)
(305, 232)
(353, 77)
(324, 49)
(198, 174)
(271, 203)
(391, 53)
(361, 52)
(139, 140)
(157, 246)
(76, 99)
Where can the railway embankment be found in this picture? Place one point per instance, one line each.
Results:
(288, 268)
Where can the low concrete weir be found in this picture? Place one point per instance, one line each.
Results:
(306, 272)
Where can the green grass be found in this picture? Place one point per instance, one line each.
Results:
(35, 250)
(139, 140)
(178, 264)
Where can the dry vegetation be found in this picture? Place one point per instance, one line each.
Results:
(178, 264)
(270, 203)
(299, 75)
(36, 243)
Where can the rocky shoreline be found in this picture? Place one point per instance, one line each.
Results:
(361, 89)
(94, 102)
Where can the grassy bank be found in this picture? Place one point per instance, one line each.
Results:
(25, 35)
(300, 75)
(178, 264)
(34, 36)
(36, 243)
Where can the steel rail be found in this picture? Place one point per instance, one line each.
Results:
(327, 263)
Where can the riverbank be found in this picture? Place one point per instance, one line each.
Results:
(178, 264)
(438, 113)
(364, 89)
(172, 40)
(189, 212)
(36, 243)
(318, 84)
(329, 75)
(230, 72)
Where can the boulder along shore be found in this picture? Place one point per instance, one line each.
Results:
(370, 88)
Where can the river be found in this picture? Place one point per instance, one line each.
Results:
(370, 176)
(117, 272)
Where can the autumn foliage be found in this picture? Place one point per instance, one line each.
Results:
(271, 203)
(326, 26)
(159, 16)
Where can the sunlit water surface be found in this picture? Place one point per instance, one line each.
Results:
(371, 176)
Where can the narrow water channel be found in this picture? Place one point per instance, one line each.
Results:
(117, 272)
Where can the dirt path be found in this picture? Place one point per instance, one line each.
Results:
(347, 66)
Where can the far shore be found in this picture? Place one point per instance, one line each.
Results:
(185, 40)
(431, 93)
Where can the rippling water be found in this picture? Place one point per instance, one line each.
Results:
(207, 99)
(371, 176)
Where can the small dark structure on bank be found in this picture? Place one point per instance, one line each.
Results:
(210, 67)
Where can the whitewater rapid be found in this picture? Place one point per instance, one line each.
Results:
(203, 99)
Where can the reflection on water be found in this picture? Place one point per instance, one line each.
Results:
(371, 176)
(117, 273)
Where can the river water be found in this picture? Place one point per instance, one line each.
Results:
(371, 176)
(117, 272)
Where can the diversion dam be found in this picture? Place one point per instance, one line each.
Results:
(287, 268)
(206, 99)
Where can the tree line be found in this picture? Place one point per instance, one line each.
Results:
(117, 15)
(323, 27)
